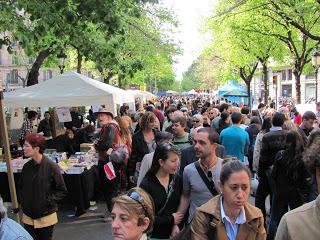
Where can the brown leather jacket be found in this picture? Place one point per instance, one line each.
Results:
(202, 229)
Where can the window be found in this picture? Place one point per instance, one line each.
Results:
(283, 75)
(311, 76)
(15, 58)
(47, 74)
(290, 74)
(12, 77)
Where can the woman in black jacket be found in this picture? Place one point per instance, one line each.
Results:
(143, 142)
(224, 122)
(165, 187)
(290, 176)
(41, 187)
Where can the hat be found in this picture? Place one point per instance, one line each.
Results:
(103, 110)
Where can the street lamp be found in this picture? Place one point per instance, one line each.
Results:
(62, 58)
(316, 64)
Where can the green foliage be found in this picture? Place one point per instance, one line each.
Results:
(97, 30)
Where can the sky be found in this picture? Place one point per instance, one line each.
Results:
(190, 14)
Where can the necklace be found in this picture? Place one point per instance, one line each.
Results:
(211, 164)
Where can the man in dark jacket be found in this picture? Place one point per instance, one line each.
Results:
(272, 142)
(306, 127)
(76, 120)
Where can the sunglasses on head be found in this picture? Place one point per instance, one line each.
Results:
(167, 146)
(138, 198)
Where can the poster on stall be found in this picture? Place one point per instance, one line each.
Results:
(64, 114)
(16, 119)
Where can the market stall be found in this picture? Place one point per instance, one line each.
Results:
(67, 90)
(79, 174)
(143, 95)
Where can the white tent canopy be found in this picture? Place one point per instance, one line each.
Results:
(144, 95)
(66, 90)
(171, 92)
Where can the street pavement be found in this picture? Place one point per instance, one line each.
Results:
(89, 226)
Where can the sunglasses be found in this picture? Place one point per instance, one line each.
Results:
(196, 121)
(138, 198)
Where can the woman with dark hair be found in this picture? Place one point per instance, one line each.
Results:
(266, 125)
(224, 122)
(165, 187)
(291, 188)
(27, 126)
(143, 142)
(41, 187)
(229, 215)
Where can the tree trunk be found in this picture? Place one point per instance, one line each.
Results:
(34, 72)
(298, 88)
(248, 92)
(265, 82)
(79, 65)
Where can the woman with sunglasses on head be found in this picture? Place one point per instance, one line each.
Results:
(132, 215)
(165, 187)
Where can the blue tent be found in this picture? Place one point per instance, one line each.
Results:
(231, 86)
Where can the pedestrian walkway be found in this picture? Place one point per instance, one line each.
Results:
(88, 226)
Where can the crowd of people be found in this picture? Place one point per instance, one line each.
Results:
(184, 168)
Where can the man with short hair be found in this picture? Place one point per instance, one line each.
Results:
(181, 136)
(195, 190)
(234, 138)
(76, 120)
(188, 155)
(306, 127)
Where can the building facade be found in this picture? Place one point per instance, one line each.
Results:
(282, 86)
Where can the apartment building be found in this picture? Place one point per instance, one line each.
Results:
(282, 85)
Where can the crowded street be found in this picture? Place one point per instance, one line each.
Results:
(159, 120)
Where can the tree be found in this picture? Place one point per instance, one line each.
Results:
(276, 25)
(45, 27)
(262, 30)
(240, 50)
